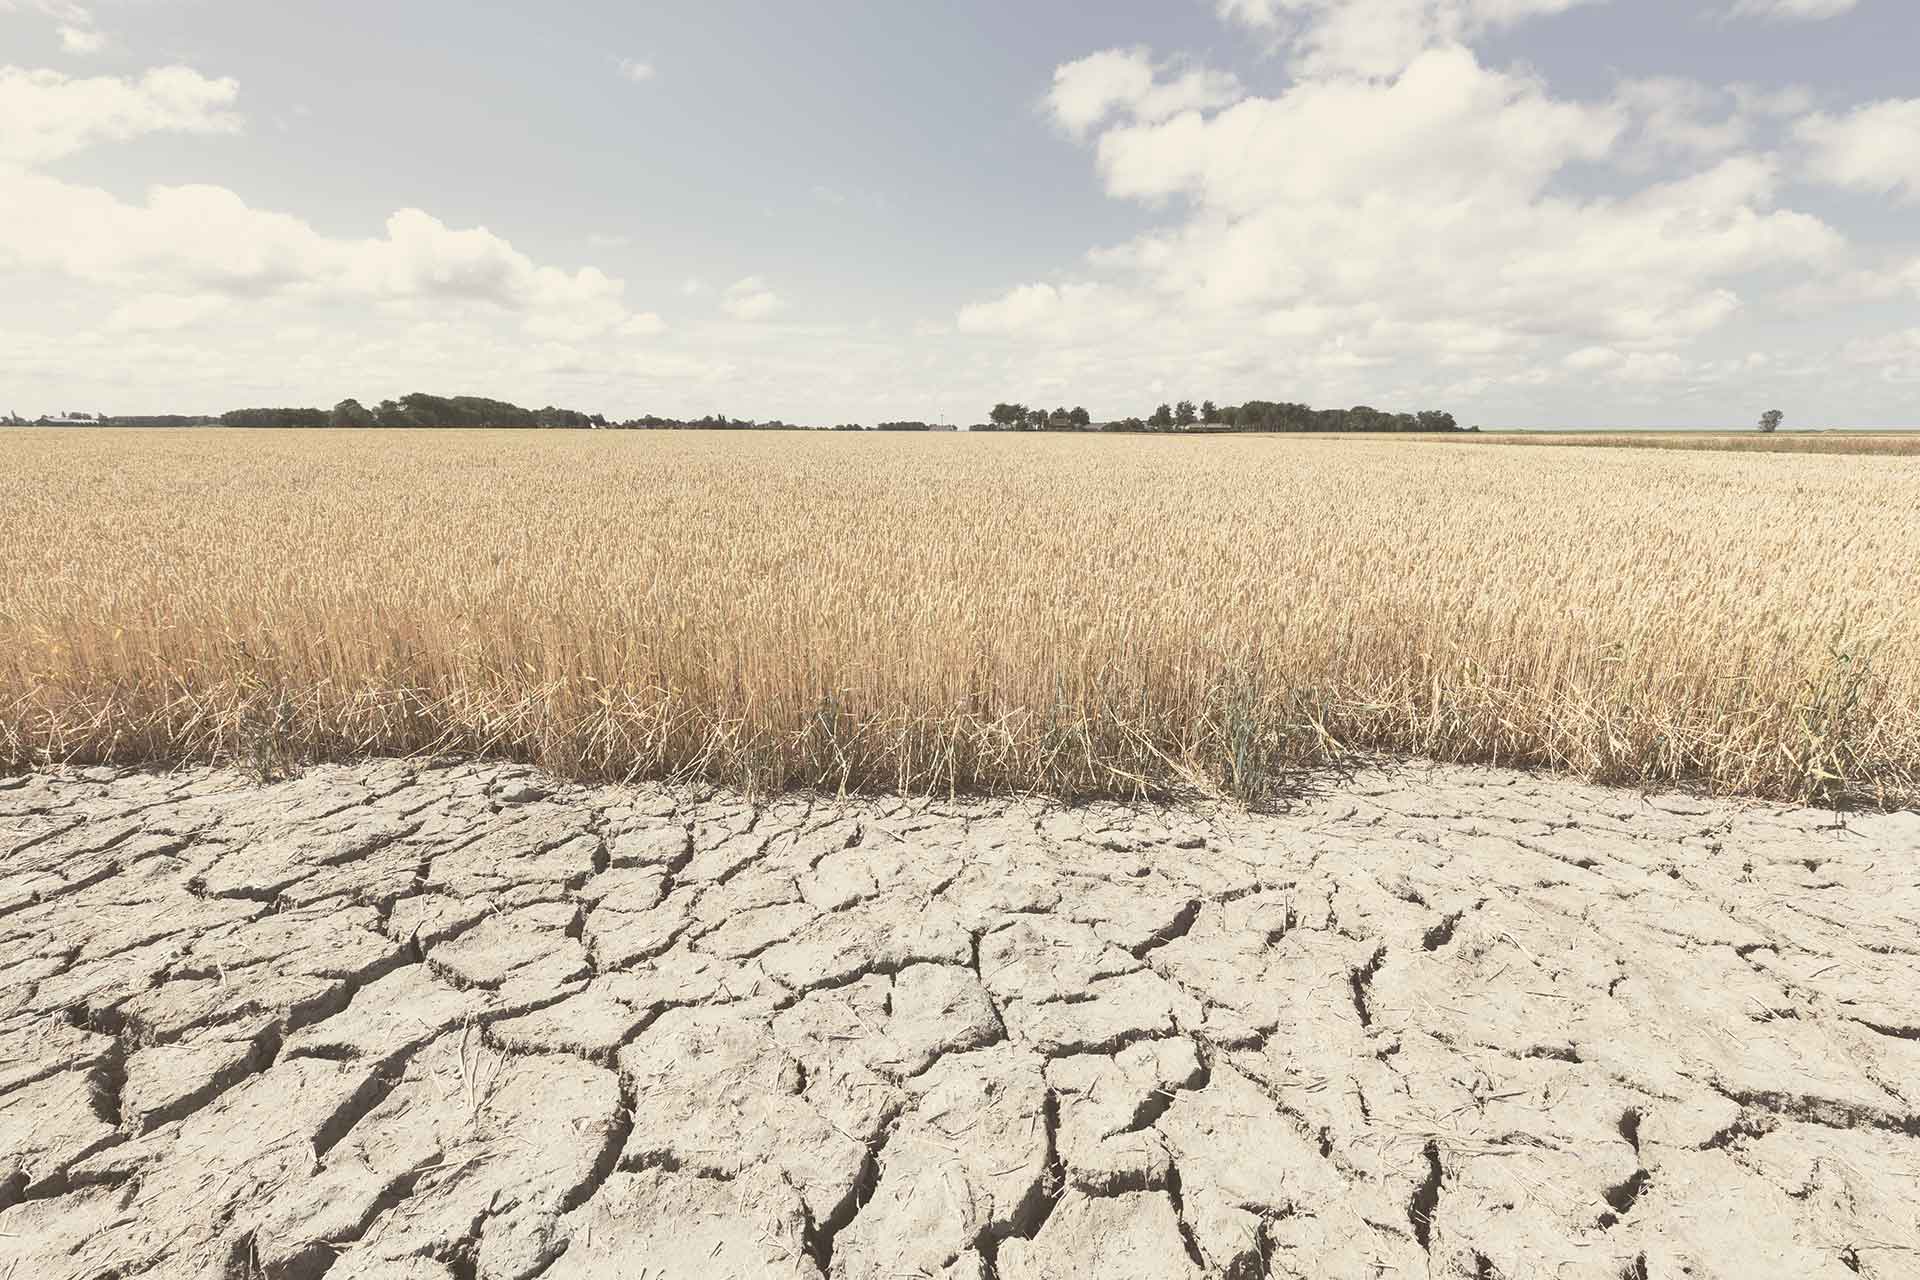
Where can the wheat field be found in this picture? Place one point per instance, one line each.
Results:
(1077, 616)
(1901, 444)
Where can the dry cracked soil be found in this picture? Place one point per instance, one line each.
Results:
(407, 1021)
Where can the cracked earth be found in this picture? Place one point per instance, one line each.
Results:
(405, 1022)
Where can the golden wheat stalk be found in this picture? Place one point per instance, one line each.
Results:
(1078, 616)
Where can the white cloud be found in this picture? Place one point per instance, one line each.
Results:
(1876, 277)
(635, 70)
(187, 247)
(1792, 10)
(422, 257)
(754, 306)
(1794, 100)
(1073, 311)
(751, 299)
(81, 40)
(1377, 37)
(1873, 148)
(194, 241)
(1893, 357)
(1396, 221)
(1447, 128)
(1085, 93)
(163, 312)
(1654, 366)
(65, 12)
(45, 115)
(1297, 322)
(1345, 229)
(1675, 115)
(692, 287)
(59, 10)
(1593, 359)
(1252, 13)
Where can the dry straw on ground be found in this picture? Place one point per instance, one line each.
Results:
(1073, 615)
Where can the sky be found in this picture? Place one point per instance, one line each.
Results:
(1527, 212)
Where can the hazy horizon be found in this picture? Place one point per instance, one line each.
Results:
(1598, 214)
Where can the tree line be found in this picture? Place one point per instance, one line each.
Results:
(420, 409)
(1017, 417)
(1254, 415)
(73, 418)
(416, 410)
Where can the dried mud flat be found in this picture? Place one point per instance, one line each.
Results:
(397, 1022)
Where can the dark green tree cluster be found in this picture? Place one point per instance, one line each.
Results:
(275, 418)
(1017, 417)
(1270, 415)
(423, 410)
(416, 410)
(351, 413)
(1254, 415)
(712, 422)
(1264, 416)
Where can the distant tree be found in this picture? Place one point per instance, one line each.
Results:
(1162, 419)
(163, 420)
(1770, 420)
(1209, 411)
(547, 417)
(1007, 415)
(274, 418)
(1436, 420)
(1037, 419)
(1080, 417)
(1184, 414)
(351, 413)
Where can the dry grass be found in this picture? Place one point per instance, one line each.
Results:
(1891, 444)
(1078, 615)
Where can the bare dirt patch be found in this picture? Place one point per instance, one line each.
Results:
(464, 1023)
